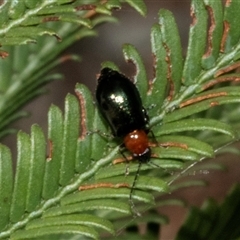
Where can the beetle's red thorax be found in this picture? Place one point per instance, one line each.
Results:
(136, 142)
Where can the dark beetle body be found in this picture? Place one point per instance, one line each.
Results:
(121, 105)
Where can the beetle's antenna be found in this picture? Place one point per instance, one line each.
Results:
(134, 210)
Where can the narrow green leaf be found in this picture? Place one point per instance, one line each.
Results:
(143, 182)
(98, 138)
(55, 137)
(210, 166)
(36, 170)
(87, 111)
(48, 231)
(18, 52)
(230, 95)
(30, 32)
(83, 159)
(229, 91)
(6, 184)
(31, 4)
(196, 42)
(55, 9)
(100, 193)
(22, 177)
(70, 137)
(113, 4)
(63, 17)
(196, 108)
(171, 202)
(109, 64)
(80, 219)
(159, 82)
(6, 70)
(138, 5)
(8, 41)
(231, 16)
(16, 9)
(173, 47)
(192, 144)
(215, 31)
(131, 55)
(104, 204)
(14, 117)
(9, 131)
(59, 2)
(102, 9)
(176, 153)
(103, 19)
(187, 184)
(4, 11)
(120, 169)
(197, 124)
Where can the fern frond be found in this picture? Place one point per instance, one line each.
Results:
(23, 21)
(78, 188)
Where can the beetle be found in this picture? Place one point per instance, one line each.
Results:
(120, 104)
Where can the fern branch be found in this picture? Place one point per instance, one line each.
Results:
(81, 176)
(63, 192)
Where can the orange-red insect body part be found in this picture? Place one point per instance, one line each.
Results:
(137, 143)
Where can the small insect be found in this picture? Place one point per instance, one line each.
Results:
(120, 104)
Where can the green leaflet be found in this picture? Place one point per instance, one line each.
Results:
(6, 185)
(173, 49)
(31, 4)
(196, 43)
(79, 219)
(16, 9)
(36, 168)
(29, 32)
(192, 144)
(20, 191)
(55, 138)
(132, 55)
(215, 15)
(196, 124)
(143, 182)
(120, 169)
(138, 5)
(48, 231)
(87, 198)
(103, 204)
(63, 17)
(230, 17)
(70, 137)
(159, 82)
(84, 142)
(231, 93)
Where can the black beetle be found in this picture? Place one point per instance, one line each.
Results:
(120, 104)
